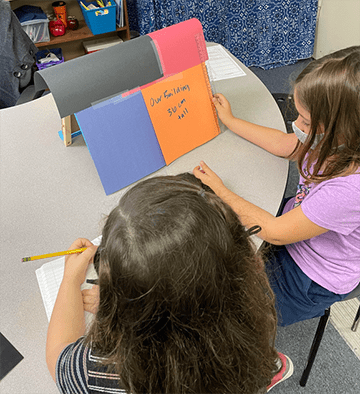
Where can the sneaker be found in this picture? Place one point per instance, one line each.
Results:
(285, 372)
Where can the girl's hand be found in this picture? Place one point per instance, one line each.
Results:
(223, 108)
(91, 298)
(76, 264)
(208, 177)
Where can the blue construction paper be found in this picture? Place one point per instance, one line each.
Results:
(121, 140)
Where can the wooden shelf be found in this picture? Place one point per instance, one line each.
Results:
(81, 33)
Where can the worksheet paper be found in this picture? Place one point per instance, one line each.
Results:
(221, 65)
(49, 277)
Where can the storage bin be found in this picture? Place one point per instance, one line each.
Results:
(34, 22)
(42, 54)
(100, 20)
(37, 30)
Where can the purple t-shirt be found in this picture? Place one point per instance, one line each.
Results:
(331, 259)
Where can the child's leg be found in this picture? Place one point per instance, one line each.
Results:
(297, 296)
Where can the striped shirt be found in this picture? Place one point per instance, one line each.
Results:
(79, 371)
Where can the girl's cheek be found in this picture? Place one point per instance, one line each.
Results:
(302, 126)
(305, 127)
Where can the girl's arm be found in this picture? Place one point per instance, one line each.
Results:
(272, 140)
(291, 227)
(67, 323)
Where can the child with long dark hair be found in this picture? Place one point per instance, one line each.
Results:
(184, 302)
(316, 260)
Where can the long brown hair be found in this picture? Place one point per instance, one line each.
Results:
(185, 304)
(329, 89)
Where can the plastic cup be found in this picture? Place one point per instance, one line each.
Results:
(60, 11)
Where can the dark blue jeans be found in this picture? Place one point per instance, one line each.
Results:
(297, 296)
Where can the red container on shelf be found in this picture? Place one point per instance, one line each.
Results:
(57, 27)
(72, 23)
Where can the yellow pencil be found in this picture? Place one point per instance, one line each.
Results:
(86, 8)
(45, 256)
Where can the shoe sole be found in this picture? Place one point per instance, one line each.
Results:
(288, 374)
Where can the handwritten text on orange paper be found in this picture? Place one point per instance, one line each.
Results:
(178, 108)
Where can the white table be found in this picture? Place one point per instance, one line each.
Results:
(50, 195)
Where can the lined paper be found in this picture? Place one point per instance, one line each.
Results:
(49, 277)
(221, 65)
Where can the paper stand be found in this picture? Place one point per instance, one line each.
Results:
(66, 130)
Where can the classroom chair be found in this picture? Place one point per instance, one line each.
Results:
(285, 102)
(319, 334)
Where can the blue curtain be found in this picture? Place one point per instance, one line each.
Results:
(262, 33)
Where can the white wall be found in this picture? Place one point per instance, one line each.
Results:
(338, 26)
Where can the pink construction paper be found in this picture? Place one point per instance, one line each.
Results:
(180, 46)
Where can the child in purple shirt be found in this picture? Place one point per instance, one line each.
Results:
(331, 259)
(315, 258)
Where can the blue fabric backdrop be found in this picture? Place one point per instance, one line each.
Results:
(262, 33)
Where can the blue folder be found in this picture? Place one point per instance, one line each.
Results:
(119, 135)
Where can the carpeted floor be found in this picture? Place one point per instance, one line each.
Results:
(336, 369)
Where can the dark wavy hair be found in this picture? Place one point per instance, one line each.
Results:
(185, 304)
(329, 88)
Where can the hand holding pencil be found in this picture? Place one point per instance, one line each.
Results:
(77, 264)
(56, 254)
(80, 253)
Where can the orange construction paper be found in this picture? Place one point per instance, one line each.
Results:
(182, 112)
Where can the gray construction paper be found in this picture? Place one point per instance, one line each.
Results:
(77, 83)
